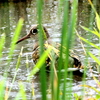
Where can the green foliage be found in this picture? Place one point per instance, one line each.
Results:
(21, 94)
(67, 34)
(2, 89)
(15, 38)
(96, 59)
(90, 43)
(4, 94)
(2, 42)
(94, 32)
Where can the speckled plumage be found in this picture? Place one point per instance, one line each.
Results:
(35, 56)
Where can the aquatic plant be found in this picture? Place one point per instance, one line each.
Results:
(96, 32)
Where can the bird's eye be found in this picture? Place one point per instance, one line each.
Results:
(34, 31)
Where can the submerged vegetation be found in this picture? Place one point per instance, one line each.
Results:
(56, 90)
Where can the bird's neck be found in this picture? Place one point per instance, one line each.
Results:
(36, 43)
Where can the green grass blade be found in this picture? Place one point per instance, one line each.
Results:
(98, 21)
(92, 88)
(12, 46)
(41, 43)
(70, 34)
(15, 38)
(21, 94)
(95, 32)
(15, 74)
(2, 89)
(2, 42)
(97, 16)
(22, 91)
(96, 60)
(94, 57)
(19, 59)
(90, 43)
(63, 43)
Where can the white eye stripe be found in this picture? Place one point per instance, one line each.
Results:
(33, 32)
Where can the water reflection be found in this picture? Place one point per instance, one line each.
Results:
(10, 12)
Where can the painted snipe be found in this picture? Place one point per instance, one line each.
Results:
(34, 34)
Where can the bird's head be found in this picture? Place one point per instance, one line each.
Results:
(33, 33)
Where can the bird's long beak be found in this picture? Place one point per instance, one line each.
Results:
(23, 38)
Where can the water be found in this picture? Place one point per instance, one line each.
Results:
(10, 13)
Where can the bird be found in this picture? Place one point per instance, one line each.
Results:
(33, 33)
